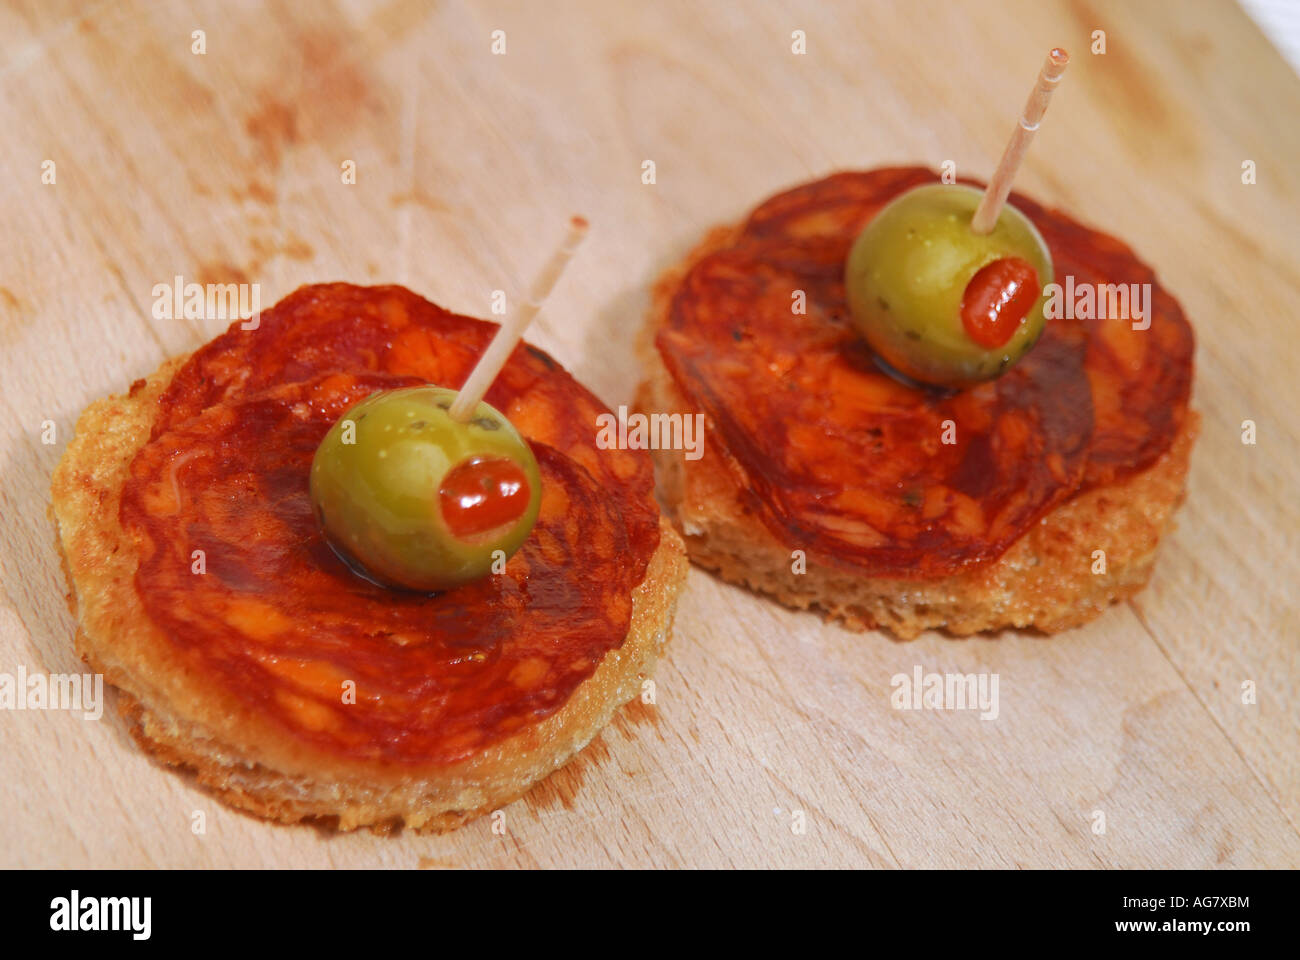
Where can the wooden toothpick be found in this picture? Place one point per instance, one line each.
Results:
(986, 215)
(503, 344)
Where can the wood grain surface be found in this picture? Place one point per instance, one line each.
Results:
(226, 166)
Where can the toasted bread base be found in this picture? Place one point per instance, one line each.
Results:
(233, 750)
(1045, 580)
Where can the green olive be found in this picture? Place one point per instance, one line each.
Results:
(940, 303)
(411, 498)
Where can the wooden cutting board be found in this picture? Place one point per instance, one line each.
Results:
(227, 166)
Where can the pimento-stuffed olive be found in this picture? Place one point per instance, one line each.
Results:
(411, 498)
(940, 303)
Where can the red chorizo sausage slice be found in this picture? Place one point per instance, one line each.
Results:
(841, 460)
(280, 622)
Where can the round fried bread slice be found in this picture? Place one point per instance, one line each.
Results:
(461, 703)
(826, 483)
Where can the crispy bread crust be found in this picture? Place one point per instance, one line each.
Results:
(234, 751)
(1044, 580)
